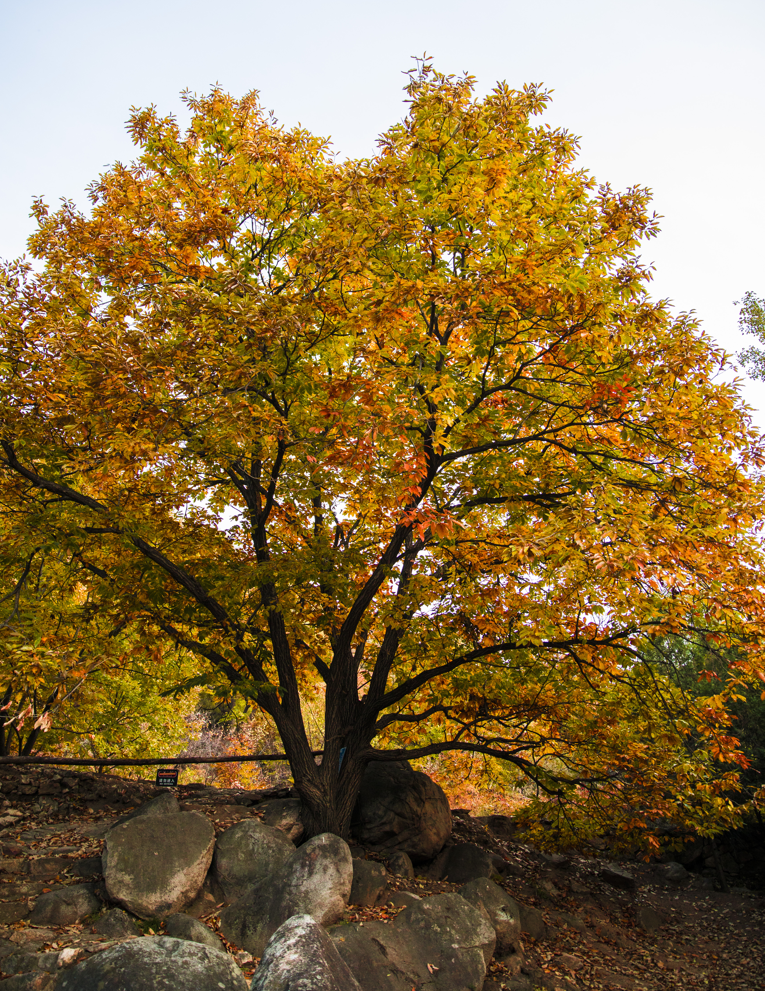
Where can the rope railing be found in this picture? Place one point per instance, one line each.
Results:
(142, 761)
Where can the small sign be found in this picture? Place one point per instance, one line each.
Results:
(167, 777)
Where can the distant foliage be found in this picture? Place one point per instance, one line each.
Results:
(751, 320)
(75, 679)
(483, 785)
(701, 671)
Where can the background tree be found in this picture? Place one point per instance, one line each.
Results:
(408, 425)
(751, 320)
(700, 669)
(76, 679)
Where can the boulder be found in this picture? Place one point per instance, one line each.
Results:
(369, 882)
(503, 827)
(463, 862)
(163, 805)
(532, 921)
(364, 949)
(21, 962)
(284, 814)
(181, 926)
(316, 880)
(401, 809)
(300, 956)
(154, 865)
(86, 867)
(11, 912)
(675, 873)
(65, 906)
(36, 980)
(66, 957)
(210, 898)
(443, 943)
(117, 924)
(648, 919)
(503, 912)
(569, 920)
(400, 864)
(567, 961)
(246, 852)
(614, 875)
(155, 963)
(692, 852)
(559, 861)
(453, 925)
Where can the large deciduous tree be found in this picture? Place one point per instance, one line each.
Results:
(409, 426)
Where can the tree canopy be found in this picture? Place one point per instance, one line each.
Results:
(407, 431)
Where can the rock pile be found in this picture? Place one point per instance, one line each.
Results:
(219, 875)
(275, 899)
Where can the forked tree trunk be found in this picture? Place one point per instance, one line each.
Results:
(328, 790)
(328, 793)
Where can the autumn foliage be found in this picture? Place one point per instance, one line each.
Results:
(409, 426)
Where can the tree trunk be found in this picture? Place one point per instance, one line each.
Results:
(722, 880)
(328, 794)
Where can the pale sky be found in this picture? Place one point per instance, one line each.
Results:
(668, 94)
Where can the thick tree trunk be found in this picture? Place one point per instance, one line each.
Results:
(328, 790)
(722, 880)
(329, 796)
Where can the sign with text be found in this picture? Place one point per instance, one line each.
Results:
(167, 777)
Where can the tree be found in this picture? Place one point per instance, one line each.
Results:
(751, 320)
(699, 670)
(74, 677)
(408, 426)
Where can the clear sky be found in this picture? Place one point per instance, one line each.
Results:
(668, 94)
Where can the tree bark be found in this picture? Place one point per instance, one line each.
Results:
(329, 798)
(722, 880)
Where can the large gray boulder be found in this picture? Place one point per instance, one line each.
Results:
(285, 814)
(400, 863)
(461, 863)
(316, 880)
(365, 951)
(441, 943)
(116, 924)
(246, 852)
(503, 913)
(300, 956)
(155, 963)
(401, 809)
(65, 906)
(532, 921)
(614, 875)
(369, 882)
(503, 827)
(209, 899)
(154, 865)
(181, 926)
(164, 804)
(675, 873)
